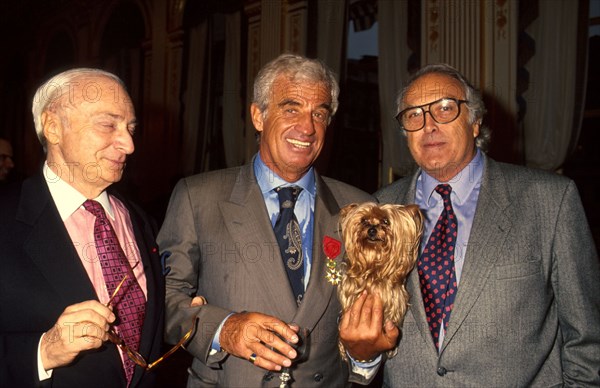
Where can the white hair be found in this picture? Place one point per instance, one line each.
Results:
(50, 93)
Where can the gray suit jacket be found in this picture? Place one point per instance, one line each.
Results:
(223, 247)
(527, 311)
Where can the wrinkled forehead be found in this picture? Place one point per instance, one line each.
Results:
(87, 89)
(432, 87)
(285, 87)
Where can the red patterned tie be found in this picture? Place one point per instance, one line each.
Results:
(129, 303)
(436, 267)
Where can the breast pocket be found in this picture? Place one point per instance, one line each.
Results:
(519, 270)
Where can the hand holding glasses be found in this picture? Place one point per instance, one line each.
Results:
(134, 355)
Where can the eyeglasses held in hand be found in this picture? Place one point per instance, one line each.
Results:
(134, 355)
(443, 111)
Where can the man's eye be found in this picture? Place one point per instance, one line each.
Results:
(413, 113)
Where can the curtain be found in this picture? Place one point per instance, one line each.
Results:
(331, 27)
(233, 126)
(393, 74)
(548, 125)
(193, 97)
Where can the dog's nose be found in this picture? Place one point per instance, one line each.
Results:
(372, 232)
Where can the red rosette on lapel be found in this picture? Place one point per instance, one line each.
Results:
(332, 249)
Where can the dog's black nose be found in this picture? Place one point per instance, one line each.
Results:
(372, 232)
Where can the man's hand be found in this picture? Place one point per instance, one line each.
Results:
(198, 301)
(247, 334)
(80, 327)
(362, 331)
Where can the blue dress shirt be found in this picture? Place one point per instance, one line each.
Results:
(465, 192)
(268, 181)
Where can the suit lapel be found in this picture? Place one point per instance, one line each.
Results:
(488, 233)
(246, 218)
(319, 292)
(49, 245)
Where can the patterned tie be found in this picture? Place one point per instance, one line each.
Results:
(289, 238)
(436, 267)
(129, 303)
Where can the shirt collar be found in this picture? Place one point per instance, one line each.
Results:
(67, 198)
(268, 180)
(462, 184)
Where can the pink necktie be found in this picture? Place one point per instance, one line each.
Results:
(129, 303)
(436, 267)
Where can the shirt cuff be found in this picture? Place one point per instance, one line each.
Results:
(216, 343)
(42, 373)
(365, 369)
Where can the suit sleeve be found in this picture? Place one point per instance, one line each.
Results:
(576, 282)
(178, 242)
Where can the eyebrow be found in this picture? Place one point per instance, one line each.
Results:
(290, 101)
(117, 117)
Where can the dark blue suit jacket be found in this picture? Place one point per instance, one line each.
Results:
(41, 274)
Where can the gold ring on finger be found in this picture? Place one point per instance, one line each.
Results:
(252, 358)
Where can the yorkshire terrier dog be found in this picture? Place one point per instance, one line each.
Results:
(382, 245)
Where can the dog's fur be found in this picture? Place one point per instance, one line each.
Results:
(382, 245)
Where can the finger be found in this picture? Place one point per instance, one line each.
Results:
(377, 315)
(93, 305)
(391, 332)
(277, 342)
(352, 317)
(287, 332)
(366, 313)
(267, 358)
(198, 301)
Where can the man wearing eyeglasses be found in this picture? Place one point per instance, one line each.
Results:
(506, 291)
(80, 268)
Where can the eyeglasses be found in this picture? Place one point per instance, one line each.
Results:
(134, 355)
(443, 111)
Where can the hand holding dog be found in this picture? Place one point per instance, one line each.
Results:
(248, 333)
(362, 331)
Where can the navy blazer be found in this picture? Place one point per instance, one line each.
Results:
(42, 274)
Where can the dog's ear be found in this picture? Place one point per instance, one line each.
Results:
(346, 209)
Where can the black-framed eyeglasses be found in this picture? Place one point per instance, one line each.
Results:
(133, 354)
(443, 111)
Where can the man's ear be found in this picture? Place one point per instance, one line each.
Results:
(52, 127)
(476, 126)
(257, 117)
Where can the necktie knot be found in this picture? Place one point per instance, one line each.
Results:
(95, 208)
(288, 196)
(444, 190)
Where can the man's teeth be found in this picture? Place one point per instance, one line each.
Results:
(298, 143)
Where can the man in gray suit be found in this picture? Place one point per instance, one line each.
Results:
(524, 279)
(220, 236)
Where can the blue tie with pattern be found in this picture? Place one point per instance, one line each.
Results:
(436, 267)
(289, 239)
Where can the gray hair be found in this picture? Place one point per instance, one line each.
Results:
(475, 103)
(49, 96)
(296, 68)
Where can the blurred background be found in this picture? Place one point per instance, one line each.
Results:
(189, 66)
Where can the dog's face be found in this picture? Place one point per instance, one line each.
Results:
(376, 227)
(379, 233)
